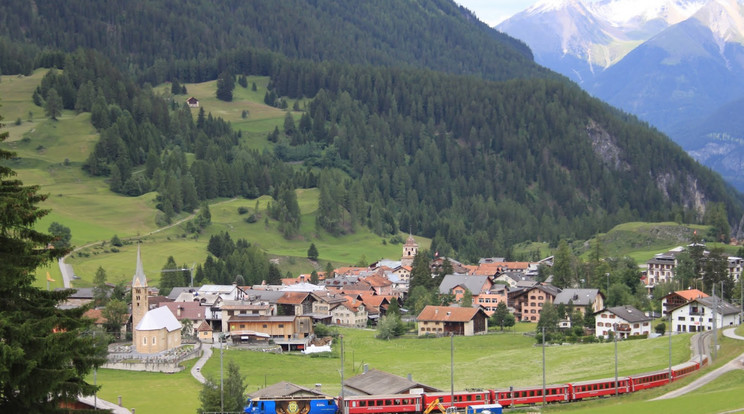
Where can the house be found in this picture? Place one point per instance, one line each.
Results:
(286, 389)
(290, 332)
(375, 382)
(350, 312)
(528, 302)
(458, 284)
(445, 320)
(192, 102)
(679, 298)
(491, 298)
(660, 268)
(701, 313)
(100, 321)
(625, 321)
(295, 303)
(190, 311)
(204, 332)
(376, 305)
(380, 284)
(583, 300)
(325, 301)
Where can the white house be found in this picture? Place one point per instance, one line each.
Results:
(624, 320)
(697, 315)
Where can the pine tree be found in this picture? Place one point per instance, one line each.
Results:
(46, 352)
(53, 104)
(312, 252)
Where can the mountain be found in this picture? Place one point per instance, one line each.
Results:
(678, 63)
(443, 128)
(580, 39)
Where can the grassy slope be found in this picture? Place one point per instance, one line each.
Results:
(95, 214)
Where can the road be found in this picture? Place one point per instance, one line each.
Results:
(736, 363)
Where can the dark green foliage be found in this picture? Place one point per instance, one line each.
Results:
(390, 326)
(501, 315)
(312, 252)
(660, 328)
(225, 86)
(115, 313)
(173, 275)
(229, 398)
(116, 241)
(53, 104)
(236, 258)
(46, 352)
(100, 289)
(62, 236)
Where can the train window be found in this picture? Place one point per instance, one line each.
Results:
(388, 402)
(362, 403)
(397, 402)
(478, 397)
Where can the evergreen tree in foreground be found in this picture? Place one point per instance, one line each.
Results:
(45, 352)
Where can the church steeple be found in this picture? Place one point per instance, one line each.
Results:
(140, 303)
(410, 249)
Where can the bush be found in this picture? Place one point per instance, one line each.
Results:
(322, 330)
(660, 328)
(251, 219)
(242, 210)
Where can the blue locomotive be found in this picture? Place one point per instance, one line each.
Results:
(292, 406)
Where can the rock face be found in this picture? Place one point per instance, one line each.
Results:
(677, 64)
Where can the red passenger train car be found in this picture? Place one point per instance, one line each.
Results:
(532, 395)
(396, 403)
(462, 398)
(599, 388)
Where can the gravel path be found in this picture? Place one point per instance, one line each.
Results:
(736, 363)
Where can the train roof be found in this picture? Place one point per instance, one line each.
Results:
(515, 389)
(612, 379)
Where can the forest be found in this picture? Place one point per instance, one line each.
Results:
(477, 155)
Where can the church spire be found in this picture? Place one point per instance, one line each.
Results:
(139, 280)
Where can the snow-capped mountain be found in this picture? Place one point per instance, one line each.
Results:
(674, 63)
(579, 38)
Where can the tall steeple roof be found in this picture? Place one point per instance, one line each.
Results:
(139, 280)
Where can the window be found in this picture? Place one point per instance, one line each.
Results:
(265, 326)
(681, 318)
(281, 325)
(144, 340)
(153, 340)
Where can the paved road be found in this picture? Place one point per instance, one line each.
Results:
(736, 363)
(196, 369)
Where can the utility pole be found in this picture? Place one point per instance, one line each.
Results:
(715, 325)
(543, 355)
(343, 405)
(452, 369)
(670, 351)
(616, 383)
(222, 382)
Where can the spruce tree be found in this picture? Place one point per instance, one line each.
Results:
(46, 352)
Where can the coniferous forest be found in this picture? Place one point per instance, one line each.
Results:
(420, 118)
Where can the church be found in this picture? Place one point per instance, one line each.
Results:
(155, 330)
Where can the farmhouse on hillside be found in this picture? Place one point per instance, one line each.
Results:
(446, 320)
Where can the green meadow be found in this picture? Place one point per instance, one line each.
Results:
(491, 361)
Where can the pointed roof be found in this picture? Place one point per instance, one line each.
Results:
(139, 280)
(410, 241)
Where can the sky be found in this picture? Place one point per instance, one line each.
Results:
(493, 12)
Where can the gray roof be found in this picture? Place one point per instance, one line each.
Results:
(270, 296)
(629, 313)
(173, 295)
(159, 318)
(374, 382)
(579, 297)
(721, 306)
(139, 279)
(472, 283)
(285, 389)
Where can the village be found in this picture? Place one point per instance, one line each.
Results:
(284, 317)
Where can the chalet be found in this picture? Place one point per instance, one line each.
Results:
(446, 320)
(679, 298)
(351, 312)
(583, 300)
(376, 305)
(192, 102)
(528, 302)
(375, 382)
(380, 284)
(624, 321)
(290, 332)
(204, 332)
(458, 284)
(700, 314)
(295, 303)
(234, 308)
(324, 303)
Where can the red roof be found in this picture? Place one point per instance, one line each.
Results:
(189, 310)
(691, 294)
(378, 281)
(293, 298)
(447, 314)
